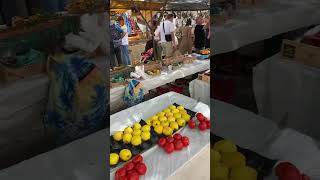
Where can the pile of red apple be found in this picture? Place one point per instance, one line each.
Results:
(287, 171)
(173, 143)
(132, 170)
(203, 122)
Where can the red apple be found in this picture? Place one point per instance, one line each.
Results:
(169, 148)
(178, 145)
(283, 167)
(185, 141)
(141, 168)
(203, 126)
(120, 173)
(137, 159)
(200, 117)
(177, 136)
(129, 166)
(170, 139)
(192, 124)
(162, 142)
(133, 176)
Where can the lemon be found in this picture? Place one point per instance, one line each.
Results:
(136, 132)
(244, 172)
(233, 159)
(168, 131)
(127, 138)
(175, 111)
(225, 146)
(145, 136)
(220, 172)
(165, 123)
(169, 114)
(145, 128)
(180, 108)
(186, 117)
(158, 129)
(174, 125)
(181, 122)
(171, 119)
(177, 115)
(215, 157)
(114, 159)
(166, 110)
(117, 136)
(136, 140)
(161, 119)
(161, 114)
(154, 118)
(149, 122)
(156, 123)
(136, 126)
(182, 112)
(128, 130)
(125, 154)
(172, 107)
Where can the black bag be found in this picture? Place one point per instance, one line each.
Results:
(168, 37)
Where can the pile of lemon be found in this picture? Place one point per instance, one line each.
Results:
(169, 120)
(229, 164)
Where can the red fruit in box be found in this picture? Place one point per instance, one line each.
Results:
(133, 176)
(200, 117)
(129, 166)
(169, 148)
(305, 177)
(178, 145)
(141, 168)
(170, 139)
(177, 136)
(137, 159)
(185, 141)
(120, 173)
(203, 126)
(192, 124)
(162, 142)
(284, 167)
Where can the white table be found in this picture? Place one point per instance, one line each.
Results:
(255, 24)
(288, 92)
(200, 90)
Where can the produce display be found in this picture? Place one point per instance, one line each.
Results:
(132, 170)
(154, 72)
(142, 136)
(174, 143)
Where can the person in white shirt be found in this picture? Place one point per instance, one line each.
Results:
(167, 37)
(125, 42)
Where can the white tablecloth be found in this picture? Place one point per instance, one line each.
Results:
(273, 17)
(200, 90)
(288, 92)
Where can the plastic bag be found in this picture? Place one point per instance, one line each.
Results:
(134, 94)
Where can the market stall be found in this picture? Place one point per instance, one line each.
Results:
(200, 88)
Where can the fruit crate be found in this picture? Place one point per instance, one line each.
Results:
(145, 146)
(263, 165)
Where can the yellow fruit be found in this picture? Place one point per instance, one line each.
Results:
(136, 140)
(156, 123)
(125, 154)
(145, 136)
(180, 108)
(177, 115)
(244, 172)
(175, 111)
(166, 110)
(114, 159)
(158, 129)
(215, 157)
(181, 122)
(182, 112)
(128, 130)
(136, 132)
(225, 146)
(127, 138)
(174, 126)
(169, 114)
(172, 107)
(171, 119)
(161, 119)
(186, 117)
(220, 172)
(161, 114)
(145, 128)
(136, 126)
(149, 122)
(165, 123)
(154, 118)
(118, 136)
(168, 131)
(233, 159)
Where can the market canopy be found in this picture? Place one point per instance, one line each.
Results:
(172, 5)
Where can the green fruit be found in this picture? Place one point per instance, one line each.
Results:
(136, 140)
(158, 129)
(125, 154)
(145, 136)
(114, 159)
(117, 136)
(128, 130)
(136, 132)
(127, 138)
(146, 128)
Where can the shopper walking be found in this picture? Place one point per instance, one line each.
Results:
(116, 35)
(168, 39)
(125, 42)
(200, 35)
(187, 39)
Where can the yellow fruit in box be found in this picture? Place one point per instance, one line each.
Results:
(166, 110)
(186, 117)
(167, 131)
(169, 114)
(171, 119)
(174, 126)
(172, 107)
(175, 111)
(177, 115)
(165, 123)
(215, 157)
(136, 126)
(180, 108)
(158, 129)
(145, 136)
(244, 172)
(127, 138)
(156, 123)
(161, 119)
(182, 112)
(146, 128)
(154, 118)
(114, 159)
(125, 154)
(118, 136)
(149, 122)
(233, 159)
(225, 146)
(181, 122)
(161, 114)
(220, 172)
(128, 130)
(136, 132)
(136, 140)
